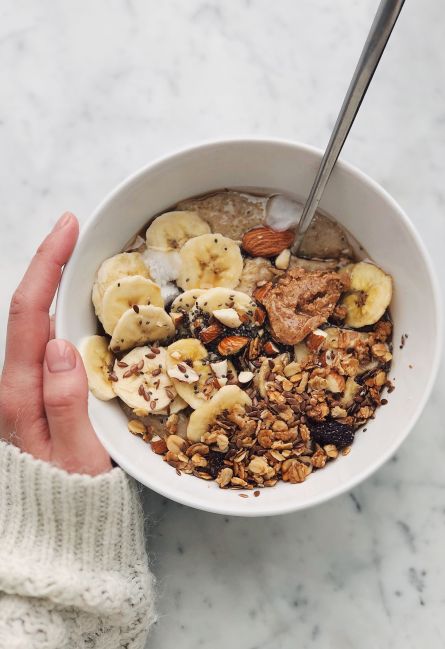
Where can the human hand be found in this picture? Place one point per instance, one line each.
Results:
(44, 388)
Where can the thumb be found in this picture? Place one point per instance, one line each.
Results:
(74, 445)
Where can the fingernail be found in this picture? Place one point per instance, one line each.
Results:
(64, 220)
(60, 356)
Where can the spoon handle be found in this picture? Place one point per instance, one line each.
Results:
(378, 36)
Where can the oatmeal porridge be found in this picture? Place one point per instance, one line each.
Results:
(233, 359)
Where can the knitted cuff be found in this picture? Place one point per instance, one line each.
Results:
(73, 539)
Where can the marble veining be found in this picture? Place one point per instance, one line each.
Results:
(90, 92)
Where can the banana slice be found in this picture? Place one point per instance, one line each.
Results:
(171, 230)
(370, 295)
(218, 299)
(201, 420)
(174, 407)
(122, 265)
(185, 301)
(190, 372)
(124, 293)
(141, 325)
(177, 405)
(97, 359)
(193, 376)
(143, 382)
(210, 260)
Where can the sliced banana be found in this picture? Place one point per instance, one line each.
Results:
(123, 293)
(174, 407)
(177, 405)
(210, 260)
(97, 359)
(192, 375)
(144, 325)
(186, 301)
(143, 382)
(220, 299)
(225, 399)
(369, 297)
(171, 230)
(188, 358)
(122, 265)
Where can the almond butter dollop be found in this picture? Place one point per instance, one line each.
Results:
(301, 301)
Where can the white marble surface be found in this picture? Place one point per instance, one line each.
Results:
(92, 90)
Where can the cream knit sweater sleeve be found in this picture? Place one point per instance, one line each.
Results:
(73, 566)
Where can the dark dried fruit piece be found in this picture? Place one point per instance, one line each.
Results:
(215, 462)
(332, 432)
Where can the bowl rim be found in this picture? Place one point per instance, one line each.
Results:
(437, 307)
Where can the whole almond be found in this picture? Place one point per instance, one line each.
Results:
(232, 345)
(265, 242)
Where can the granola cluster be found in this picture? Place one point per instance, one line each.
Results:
(304, 413)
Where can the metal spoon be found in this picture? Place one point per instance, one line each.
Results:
(378, 36)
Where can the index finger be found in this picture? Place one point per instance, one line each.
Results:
(29, 325)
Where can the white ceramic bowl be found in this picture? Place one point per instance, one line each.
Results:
(357, 202)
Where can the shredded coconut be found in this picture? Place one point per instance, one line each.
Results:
(164, 268)
(169, 291)
(164, 265)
